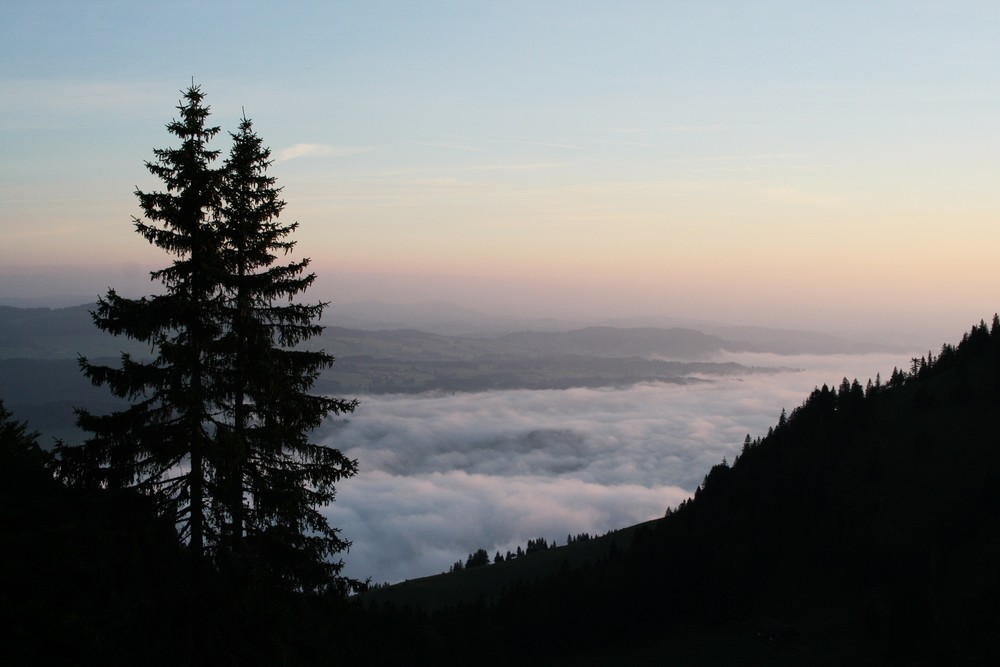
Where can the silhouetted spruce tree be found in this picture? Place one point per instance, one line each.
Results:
(478, 559)
(216, 430)
(274, 480)
(22, 461)
(162, 444)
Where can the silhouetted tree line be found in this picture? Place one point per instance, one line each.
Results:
(477, 559)
(481, 556)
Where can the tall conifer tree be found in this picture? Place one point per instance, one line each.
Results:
(275, 479)
(161, 444)
(218, 422)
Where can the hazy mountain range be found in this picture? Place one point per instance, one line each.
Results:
(386, 351)
(62, 332)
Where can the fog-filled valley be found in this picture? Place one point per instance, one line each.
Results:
(488, 439)
(444, 474)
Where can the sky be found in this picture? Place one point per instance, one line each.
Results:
(797, 164)
(819, 166)
(442, 475)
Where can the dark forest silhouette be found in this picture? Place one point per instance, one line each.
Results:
(863, 527)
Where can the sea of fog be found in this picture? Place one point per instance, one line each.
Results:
(442, 475)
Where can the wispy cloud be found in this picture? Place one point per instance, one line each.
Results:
(80, 96)
(665, 129)
(471, 144)
(753, 157)
(533, 166)
(612, 142)
(447, 145)
(751, 162)
(788, 195)
(543, 144)
(320, 150)
(380, 176)
(32, 104)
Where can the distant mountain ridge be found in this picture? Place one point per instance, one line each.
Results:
(678, 343)
(41, 381)
(67, 331)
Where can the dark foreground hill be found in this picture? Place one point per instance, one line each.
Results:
(863, 529)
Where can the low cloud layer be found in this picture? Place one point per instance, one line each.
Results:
(442, 475)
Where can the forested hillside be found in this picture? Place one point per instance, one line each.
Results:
(864, 527)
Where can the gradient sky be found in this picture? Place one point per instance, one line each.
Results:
(814, 165)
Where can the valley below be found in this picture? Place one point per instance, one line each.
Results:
(494, 437)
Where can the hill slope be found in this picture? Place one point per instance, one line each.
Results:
(865, 527)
